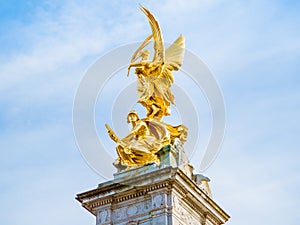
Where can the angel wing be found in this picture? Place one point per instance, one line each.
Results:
(173, 60)
(159, 50)
(174, 54)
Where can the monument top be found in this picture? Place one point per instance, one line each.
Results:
(154, 79)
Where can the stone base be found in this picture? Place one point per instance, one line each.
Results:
(162, 197)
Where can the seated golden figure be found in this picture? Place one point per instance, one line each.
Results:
(146, 138)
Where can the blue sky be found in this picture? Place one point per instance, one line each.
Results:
(253, 48)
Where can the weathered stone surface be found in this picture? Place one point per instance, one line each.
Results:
(165, 196)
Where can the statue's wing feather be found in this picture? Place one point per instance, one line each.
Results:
(173, 61)
(157, 36)
(143, 45)
(174, 54)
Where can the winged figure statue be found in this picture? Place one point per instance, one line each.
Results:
(155, 77)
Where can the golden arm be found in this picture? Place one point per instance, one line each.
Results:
(111, 133)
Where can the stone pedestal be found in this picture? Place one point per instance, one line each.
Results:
(151, 195)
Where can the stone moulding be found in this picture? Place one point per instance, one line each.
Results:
(165, 196)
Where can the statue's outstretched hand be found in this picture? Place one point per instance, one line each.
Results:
(111, 134)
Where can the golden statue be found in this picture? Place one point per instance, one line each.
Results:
(149, 135)
(155, 78)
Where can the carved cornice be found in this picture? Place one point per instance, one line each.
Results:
(213, 219)
(124, 196)
(170, 179)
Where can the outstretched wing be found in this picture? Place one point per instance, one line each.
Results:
(173, 61)
(174, 54)
(159, 50)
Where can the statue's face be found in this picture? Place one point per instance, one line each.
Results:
(145, 54)
(132, 117)
(145, 57)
